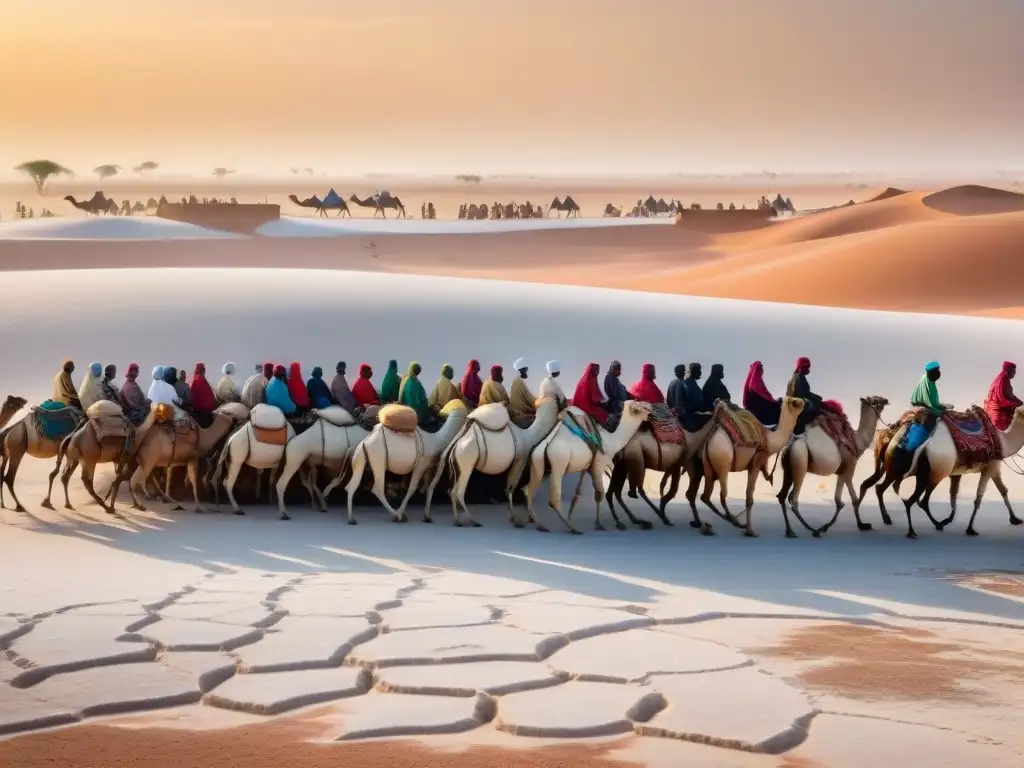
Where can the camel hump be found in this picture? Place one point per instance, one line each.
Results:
(103, 408)
(236, 411)
(398, 418)
(268, 417)
(336, 416)
(493, 417)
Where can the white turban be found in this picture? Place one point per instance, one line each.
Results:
(228, 369)
(553, 366)
(519, 364)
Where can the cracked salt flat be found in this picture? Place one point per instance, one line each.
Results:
(394, 714)
(336, 601)
(20, 711)
(493, 677)
(577, 710)
(429, 612)
(475, 584)
(305, 642)
(209, 669)
(633, 655)
(489, 642)
(192, 635)
(275, 692)
(108, 690)
(573, 621)
(241, 615)
(744, 709)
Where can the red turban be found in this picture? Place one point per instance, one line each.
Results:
(203, 399)
(802, 361)
(297, 387)
(496, 370)
(646, 390)
(587, 396)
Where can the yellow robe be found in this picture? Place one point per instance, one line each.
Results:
(443, 393)
(493, 392)
(64, 389)
(522, 402)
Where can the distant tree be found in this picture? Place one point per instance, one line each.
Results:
(732, 206)
(147, 167)
(106, 171)
(41, 170)
(220, 173)
(721, 206)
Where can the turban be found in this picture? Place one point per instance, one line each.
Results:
(228, 369)
(553, 366)
(496, 370)
(158, 373)
(932, 366)
(802, 361)
(519, 364)
(96, 369)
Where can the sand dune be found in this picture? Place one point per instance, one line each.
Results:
(973, 200)
(107, 228)
(886, 193)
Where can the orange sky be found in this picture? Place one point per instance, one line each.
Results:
(452, 86)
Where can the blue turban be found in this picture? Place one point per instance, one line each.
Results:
(932, 366)
(96, 369)
(158, 373)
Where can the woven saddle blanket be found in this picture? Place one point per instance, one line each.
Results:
(975, 436)
(55, 421)
(585, 427)
(665, 426)
(837, 426)
(741, 426)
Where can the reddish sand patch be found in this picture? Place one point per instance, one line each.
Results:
(277, 744)
(1000, 584)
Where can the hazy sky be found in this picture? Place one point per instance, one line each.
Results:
(452, 86)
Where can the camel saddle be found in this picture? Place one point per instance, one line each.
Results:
(837, 426)
(335, 415)
(111, 426)
(741, 426)
(665, 426)
(492, 417)
(270, 436)
(398, 418)
(585, 427)
(300, 424)
(368, 419)
(55, 421)
(975, 436)
(175, 420)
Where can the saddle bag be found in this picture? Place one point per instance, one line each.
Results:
(335, 415)
(270, 436)
(103, 408)
(398, 418)
(493, 417)
(268, 417)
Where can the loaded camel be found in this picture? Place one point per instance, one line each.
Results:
(410, 453)
(564, 451)
(169, 444)
(730, 450)
(644, 452)
(568, 205)
(610, 211)
(106, 437)
(822, 451)
(940, 458)
(380, 202)
(491, 444)
(95, 205)
(25, 438)
(330, 442)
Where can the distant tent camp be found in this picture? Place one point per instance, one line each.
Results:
(332, 200)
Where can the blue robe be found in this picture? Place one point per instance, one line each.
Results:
(276, 394)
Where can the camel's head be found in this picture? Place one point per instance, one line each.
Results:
(354, 198)
(793, 405)
(637, 409)
(876, 403)
(13, 404)
(69, 198)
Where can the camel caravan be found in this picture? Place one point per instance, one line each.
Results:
(397, 441)
(101, 204)
(381, 202)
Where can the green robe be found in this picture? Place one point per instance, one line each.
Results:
(390, 384)
(926, 395)
(414, 395)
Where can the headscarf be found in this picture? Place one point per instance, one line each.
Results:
(553, 367)
(588, 393)
(801, 362)
(471, 383)
(445, 390)
(340, 390)
(296, 387)
(754, 385)
(1000, 401)
(133, 371)
(363, 390)
(132, 399)
(390, 384)
(645, 389)
(107, 387)
(227, 390)
(493, 390)
(317, 390)
(89, 392)
(268, 371)
(203, 399)
(411, 391)
(228, 369)
(170, 374)
(934, 366)
(158, 376)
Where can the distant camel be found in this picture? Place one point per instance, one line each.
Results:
(568, 205)
(379, 203)
(610, 211)
(94, 205)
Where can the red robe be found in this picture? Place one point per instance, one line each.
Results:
(203, 399)
(587, 396)
(362, 389)
(1001, 402)
(646, 390)
(471, 383)
(297, 387)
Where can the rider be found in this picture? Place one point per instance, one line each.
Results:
(522, 403)
(252, 390)
(1001, 402)
(182, 388)
(471, 384)
(133, 401)
(493, 390)
(317, 390)
(277, 393)
(444, 391)
(204, 402)
(412, 394)
(363, 390)
(160, 391)
(390, 384)
(64, 388)
(799, 387)
(614, 390)
(926, 395)
(646, 390)
(587, 396)
(676, 395)
(550, 387)
(297, 389)
(340, 390)
(89, 392)
(756, 397)
(714, 388)
(227, 390)
(695, 414)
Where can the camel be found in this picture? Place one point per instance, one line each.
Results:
(932, 463)
(380, 202)
(816, 452)
(568, 205)
(499, 447)
(400, 453)
(565, 451)
(330, 442)
(95, 442)
(94, 206)
(610, 211)
(23, 438)
(644, 452)
(722, 456)
(163, 446)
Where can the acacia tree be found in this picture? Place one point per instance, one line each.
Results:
(41, 170)
(106, 171)
(143, 168)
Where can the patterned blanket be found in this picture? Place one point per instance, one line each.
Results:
(585, 428)
(742, 426)
(665, 426)
(54, 421)
(838, 427)
(975, 436)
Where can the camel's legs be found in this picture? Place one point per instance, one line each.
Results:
(3, 473)
(66, 478)
(555, 497)
(175, 506)
(459, 485)
(234, 469)
(620, 473)
(709, 486)
(290, 468)
(576, 495)
(418, 471)
(752, 471)
(536, 478)
(597, 476)
(61, 452)
(512, 480)
(9, 476)
(788, 489)
(1005, 493)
